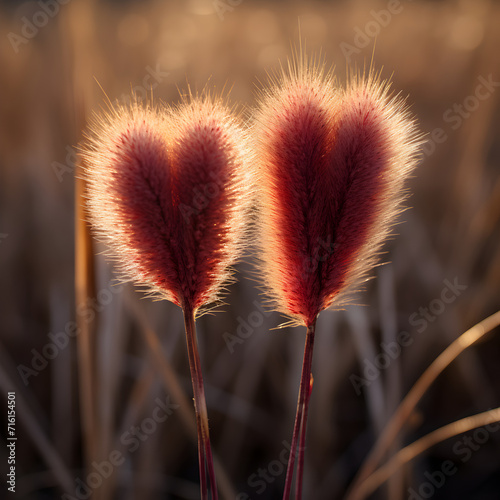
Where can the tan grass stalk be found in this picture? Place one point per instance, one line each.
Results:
(424, 443)
(84, 289)
(411, 400)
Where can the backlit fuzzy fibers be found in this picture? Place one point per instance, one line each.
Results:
(332, 163)
(168, 191)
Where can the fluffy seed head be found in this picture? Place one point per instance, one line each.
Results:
(168, 192)
(332, 163)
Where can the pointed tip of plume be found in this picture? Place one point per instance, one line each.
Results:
(333, 162)
(167, 192)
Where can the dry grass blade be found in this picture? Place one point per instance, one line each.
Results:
(413, 450)
(376, 401)
(388, 325)
(420, 387)
(76, 28)
(85, 288)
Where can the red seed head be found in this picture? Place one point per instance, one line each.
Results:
(168, 192)
(333, 163)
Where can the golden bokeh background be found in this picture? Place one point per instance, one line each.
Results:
(59, 61)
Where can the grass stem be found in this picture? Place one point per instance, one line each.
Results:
(205, 459)
(299, 430)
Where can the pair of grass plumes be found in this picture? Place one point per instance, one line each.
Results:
(169, 190)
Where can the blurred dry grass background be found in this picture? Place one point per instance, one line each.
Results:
(436, 51)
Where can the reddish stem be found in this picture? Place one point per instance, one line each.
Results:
(299, 428)
(205, 459)
(210, 467)
(302, 442)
